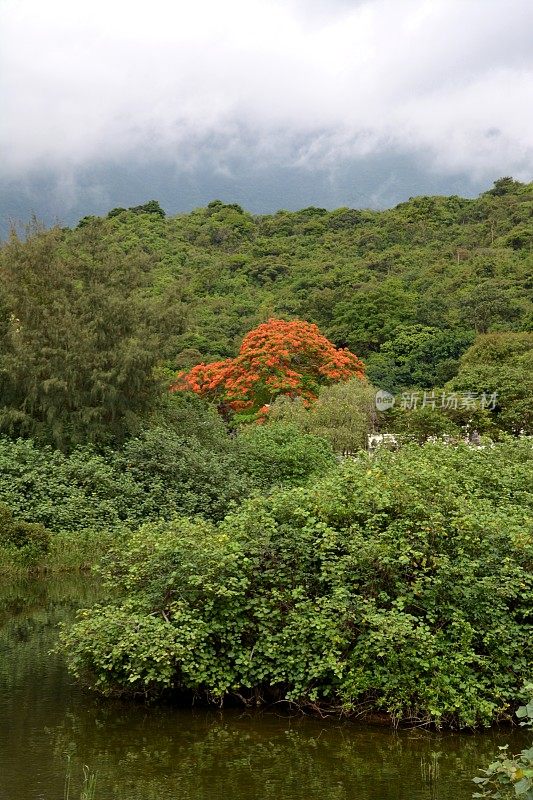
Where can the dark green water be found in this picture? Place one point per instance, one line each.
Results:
(169, 754)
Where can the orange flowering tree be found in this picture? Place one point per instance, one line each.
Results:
(277, 357)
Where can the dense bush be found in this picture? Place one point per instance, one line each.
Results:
(510, 776)
(280, 454)
(29, 541)
(344, 414)
(175, 474)
(501, 364)
(79, 492)
(192, 468)
(402, 584)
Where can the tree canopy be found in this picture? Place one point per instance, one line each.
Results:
(81, 337)
(93, 318)
(278, 357)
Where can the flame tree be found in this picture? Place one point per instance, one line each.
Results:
(276, 358)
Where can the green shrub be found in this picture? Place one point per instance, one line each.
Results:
(343, 414)
(79, 492)
(279, 454)
(402, 584)
(511, 776)
(174, 474)
(30, 541)
(186, 463)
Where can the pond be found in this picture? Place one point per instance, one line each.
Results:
(163, 753)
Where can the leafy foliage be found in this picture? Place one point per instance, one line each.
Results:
(277, 358)
(81, 338)
(79, 492)
(343, 414)
(93, 319)
(402, 584)
(502, 363)
(194, 468)
(281, 454)
(417, 356)
(31, 541)
(511, 776)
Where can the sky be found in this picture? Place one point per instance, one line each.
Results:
(268, 103)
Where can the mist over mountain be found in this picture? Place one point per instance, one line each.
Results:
(376, 182)
(278, 104)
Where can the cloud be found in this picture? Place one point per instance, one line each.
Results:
(309, 84)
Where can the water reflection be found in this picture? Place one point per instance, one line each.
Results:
(169, 754)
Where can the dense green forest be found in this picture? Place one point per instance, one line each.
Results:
(457, 266)
(97, 317)
(281, 560)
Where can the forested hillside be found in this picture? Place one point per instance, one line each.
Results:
(97, 318)
(460, 266)
(386, 581)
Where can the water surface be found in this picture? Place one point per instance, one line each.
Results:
(161, 753)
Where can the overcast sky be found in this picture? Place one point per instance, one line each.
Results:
(271, 103)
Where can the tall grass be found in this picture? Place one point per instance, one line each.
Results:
(69, 552)
(88, 788)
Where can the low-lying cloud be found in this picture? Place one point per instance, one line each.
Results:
(270, 103)
(306, 84)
